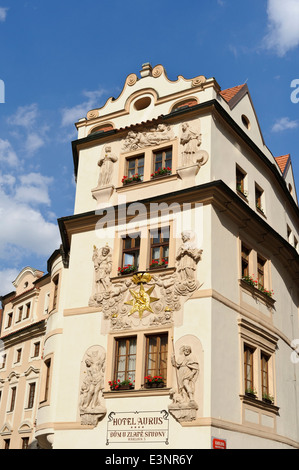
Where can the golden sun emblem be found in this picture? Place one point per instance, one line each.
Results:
(141, 301)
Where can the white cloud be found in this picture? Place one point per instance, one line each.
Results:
(25, 116)
(72, 114)
(3, 14)
(33, 189)
(33, 143)
(283, 124)
(283, 20)
(35, 133)
(25, 228)
(7, 154)
(7, 276)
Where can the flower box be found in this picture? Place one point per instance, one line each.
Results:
(128, 269)
(117, 385)
(161, 172)
(155, 264)
(154, 382)
(133, 179)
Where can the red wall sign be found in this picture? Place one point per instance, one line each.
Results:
(218, 443)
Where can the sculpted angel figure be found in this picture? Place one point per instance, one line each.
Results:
(106, 165)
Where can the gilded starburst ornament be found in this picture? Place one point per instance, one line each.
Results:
(141, 301)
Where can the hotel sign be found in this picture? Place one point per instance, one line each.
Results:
(139, 427)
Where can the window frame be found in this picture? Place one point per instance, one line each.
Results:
(161, 245)
(241, 181)
(158, 370)
(135, 158)
(162, 151)
(134, 250)
(127, 373)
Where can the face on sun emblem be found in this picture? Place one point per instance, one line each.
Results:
(141, 301)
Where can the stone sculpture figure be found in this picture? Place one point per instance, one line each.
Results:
(191, 142)
(187, 258)
(187, 373)
(184, 406)
(153, 136)
(106, 165)
(91, 409)
(102, 260)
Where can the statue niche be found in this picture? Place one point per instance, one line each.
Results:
(184, 406)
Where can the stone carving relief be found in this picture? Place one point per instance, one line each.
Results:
(151, 136)
(191, 142)
(186, 364)
(145, 299)
(92, 384)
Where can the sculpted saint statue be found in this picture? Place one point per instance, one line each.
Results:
(187, 258)
(191, 142)
(94, 382)
(106, 165)
(102, 260)
(187, 373)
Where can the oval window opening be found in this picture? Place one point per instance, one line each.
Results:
(245, 121)
(142, 103)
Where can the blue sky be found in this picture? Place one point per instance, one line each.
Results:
(60, 59)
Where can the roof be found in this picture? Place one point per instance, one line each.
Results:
(282, 162)
(230, 93)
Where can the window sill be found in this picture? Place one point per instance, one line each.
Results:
(261, 404)
(256, 293)
(242, 195)
(261, 212)
(144, 184)
(142, 392)
(168, 270)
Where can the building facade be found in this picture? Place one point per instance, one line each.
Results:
(174, 297)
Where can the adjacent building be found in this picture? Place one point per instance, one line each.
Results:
(172, 314)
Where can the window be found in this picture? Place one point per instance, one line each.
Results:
(48, 373)
(258, 198)
(163, 159)
(265, 375)
(159, 252)
(245, 261)
(20, 310)
(13, 398)
(36, 349)
(156, 355)
(261, 271)
(6, 443)
(9, 320)
(248, 369)
(18, 355)
(295, 243)
(258, 346)
(55, 295)
(125, 359)
(130, 251)
(25, 442)
(289, 234)
(27, 314)
(3, 361)
(240, 181)
(135, 167)
(31, 395)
